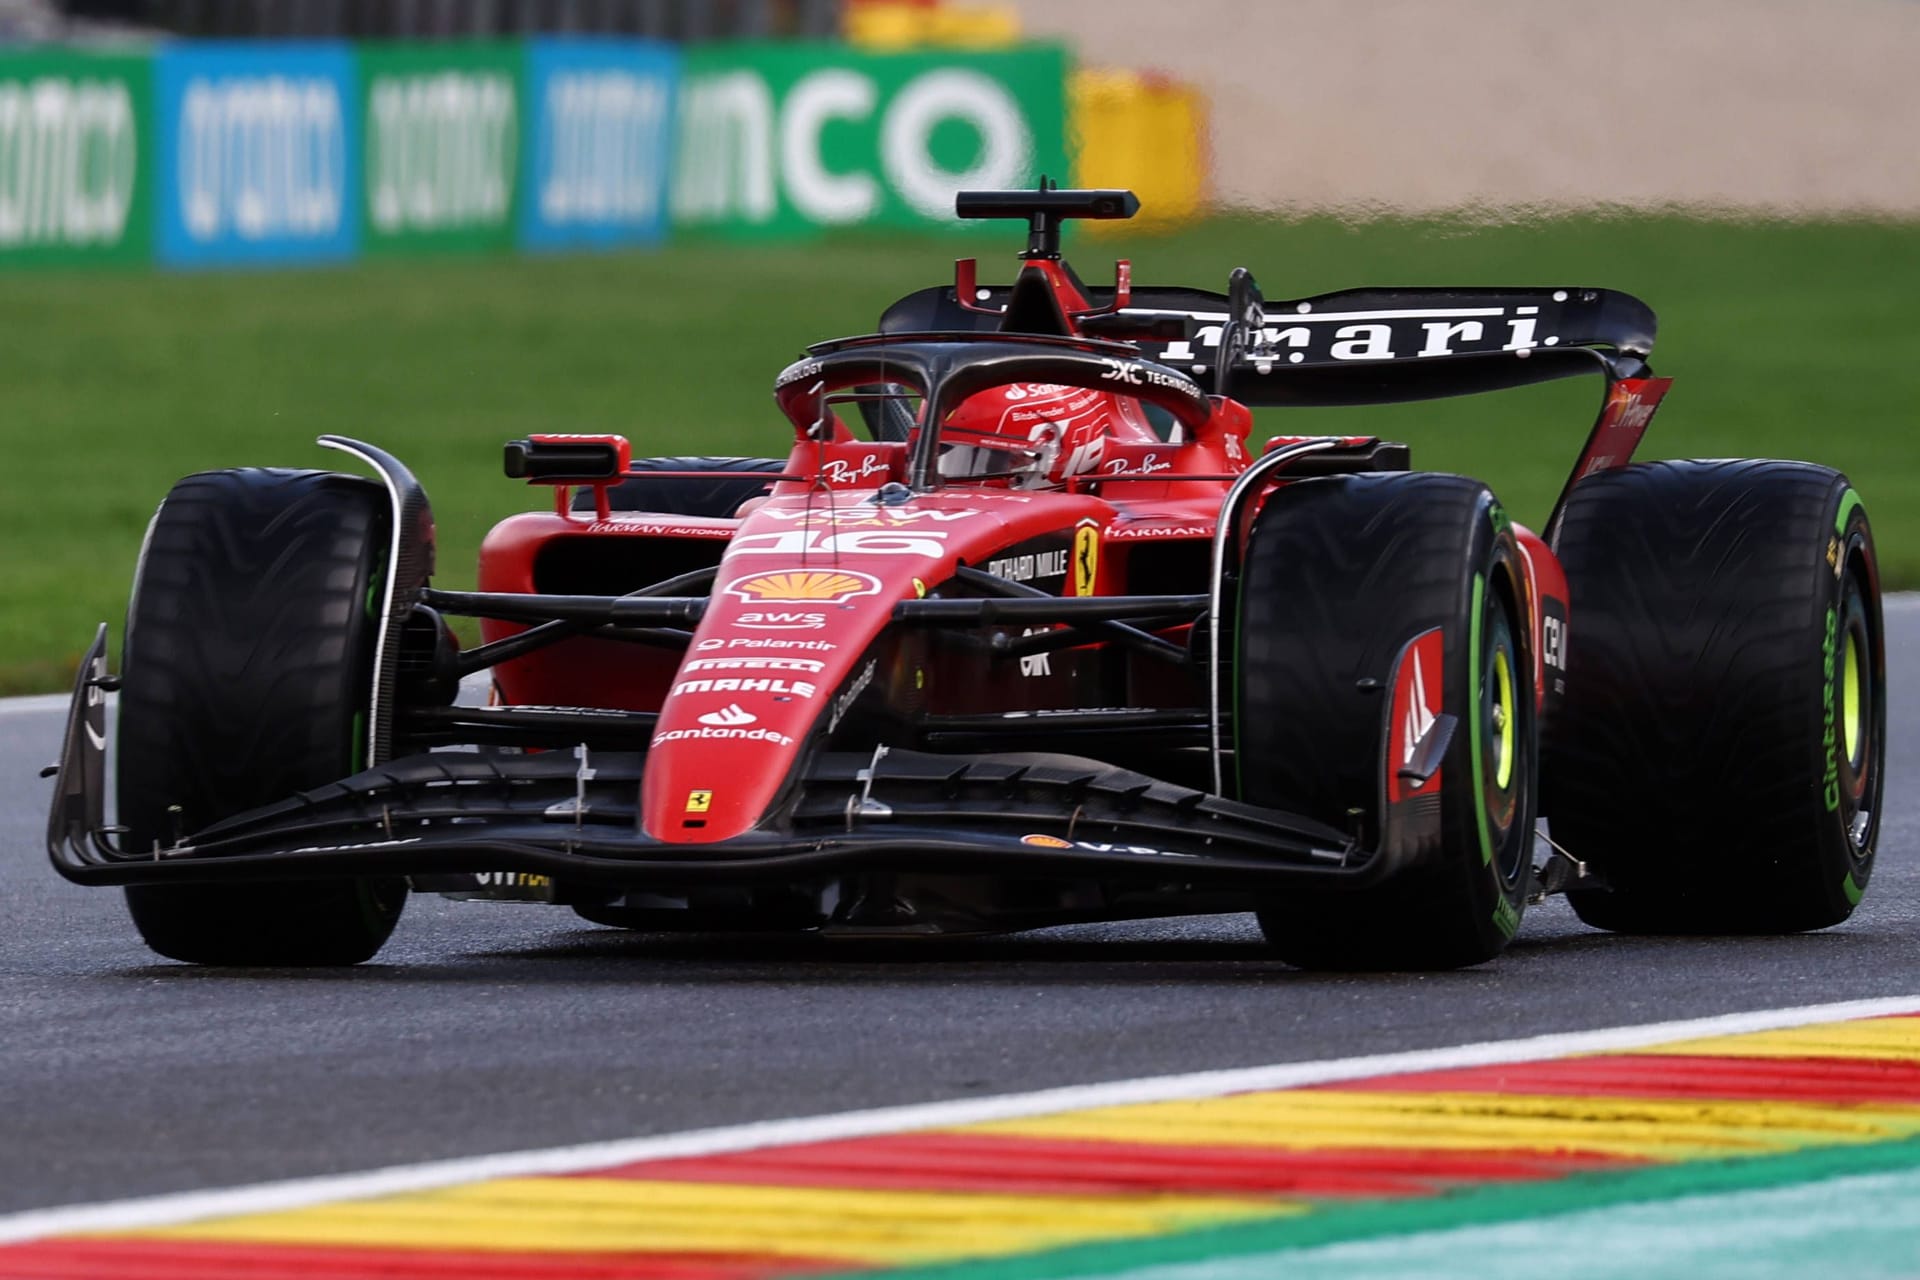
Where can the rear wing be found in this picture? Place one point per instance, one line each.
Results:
(1359, 346)
(1364, 346)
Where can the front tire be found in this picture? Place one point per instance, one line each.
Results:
(1340, 574)
(1719, 759)
(246, 678)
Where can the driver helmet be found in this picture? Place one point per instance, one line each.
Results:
(1029, 435)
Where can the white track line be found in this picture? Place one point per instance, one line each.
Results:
(39, 702)
(473, 693)
(154, 1211)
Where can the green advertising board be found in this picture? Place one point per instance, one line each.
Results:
(782, 140)
(443, 127)
(76, 167)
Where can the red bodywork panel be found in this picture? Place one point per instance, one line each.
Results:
(1546, 588)
(797, 637)
(1623, 421)
(807, 582)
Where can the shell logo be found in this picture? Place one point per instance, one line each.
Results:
(1046, 842)
(804, 586)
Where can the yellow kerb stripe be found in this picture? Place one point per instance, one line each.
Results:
(610, 1214)
(1656, 1129)
(1893, 1038)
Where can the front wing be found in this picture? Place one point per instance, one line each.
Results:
(573, 816)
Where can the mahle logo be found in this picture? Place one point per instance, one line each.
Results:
(837, 144)
(440, 150)
(69, 156)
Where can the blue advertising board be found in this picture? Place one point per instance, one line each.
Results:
(258, 153)
(600, 139)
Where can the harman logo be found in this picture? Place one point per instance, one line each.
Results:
(804, 586)
(729, 715)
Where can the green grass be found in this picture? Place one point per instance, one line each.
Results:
(1786, 340)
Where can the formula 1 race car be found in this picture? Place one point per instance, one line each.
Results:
(1022, 630)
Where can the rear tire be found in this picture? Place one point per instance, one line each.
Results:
(1340, 574)
(1718, 761)
(246, 677)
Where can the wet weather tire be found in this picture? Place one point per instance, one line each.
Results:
(1718, 759)
(246, 678)
(1340, 574)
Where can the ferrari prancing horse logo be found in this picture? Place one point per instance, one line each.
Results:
(699, 801)
(1086, 558)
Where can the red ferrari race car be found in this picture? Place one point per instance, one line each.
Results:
(1025, 628)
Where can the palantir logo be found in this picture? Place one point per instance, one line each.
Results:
(262, 157)
(69, 156)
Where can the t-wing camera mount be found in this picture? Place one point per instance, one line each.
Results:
(1044, 210)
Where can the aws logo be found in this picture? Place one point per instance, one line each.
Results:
(804, 586)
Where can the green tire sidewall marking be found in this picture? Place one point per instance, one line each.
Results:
(1478, 732)
(1849, 503)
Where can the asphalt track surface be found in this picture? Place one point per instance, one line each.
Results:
(489, 1027)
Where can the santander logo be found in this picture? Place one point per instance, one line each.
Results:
(728, 716)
